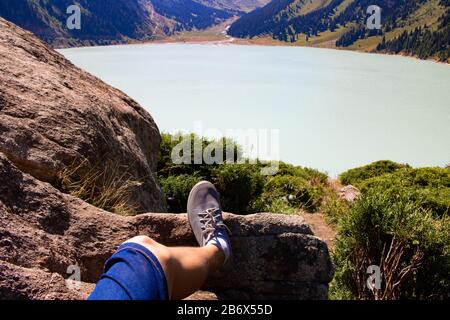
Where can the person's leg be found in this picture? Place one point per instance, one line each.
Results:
(132, 273)
(186, 269)
(143, 269)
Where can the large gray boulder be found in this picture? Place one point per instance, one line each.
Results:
(54, 115)
(44, 231)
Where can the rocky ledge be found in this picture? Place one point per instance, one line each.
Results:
(43, 232)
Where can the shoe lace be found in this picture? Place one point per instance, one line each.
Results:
(211, 220)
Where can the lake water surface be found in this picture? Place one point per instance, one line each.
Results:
(335, 109)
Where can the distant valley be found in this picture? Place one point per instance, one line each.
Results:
(119, 21)
(235, 5)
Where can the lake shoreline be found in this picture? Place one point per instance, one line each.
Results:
(217, 35)
(246, 42)
(308, 94)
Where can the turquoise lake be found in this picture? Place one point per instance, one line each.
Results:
(334, 110)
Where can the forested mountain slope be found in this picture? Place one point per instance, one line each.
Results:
(416, 27)
(110, 21)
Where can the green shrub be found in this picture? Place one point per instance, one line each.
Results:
(333, 207)
(293, 190)
(411, 246)
(242, 187)
(239, 186)
(429, 186)
(166, 167)
(302, 172)
(279, 206)
(379, 168)
(177, 189)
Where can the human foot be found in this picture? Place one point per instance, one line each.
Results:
(205, 218)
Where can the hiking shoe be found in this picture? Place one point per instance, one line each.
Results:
(205, 217)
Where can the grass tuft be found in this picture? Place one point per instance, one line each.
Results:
(108, 186)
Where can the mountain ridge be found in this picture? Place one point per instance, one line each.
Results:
(342, 23)
(124, 21)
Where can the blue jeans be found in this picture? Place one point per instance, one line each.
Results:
(132, 273)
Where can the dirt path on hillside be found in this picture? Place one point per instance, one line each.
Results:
(216, 34)
(320, 228)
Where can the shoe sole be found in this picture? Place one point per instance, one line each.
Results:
(189, 199)
(227, 266)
